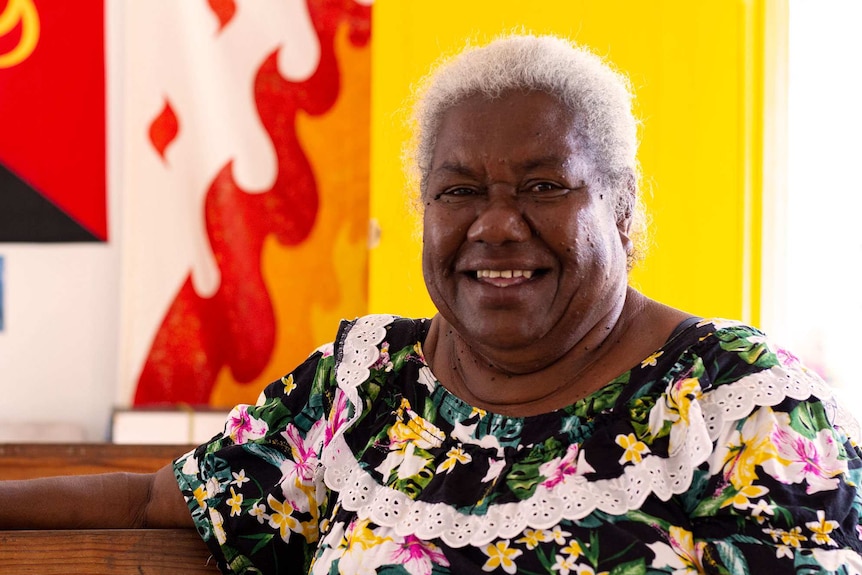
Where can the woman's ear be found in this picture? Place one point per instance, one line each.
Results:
(625, 212)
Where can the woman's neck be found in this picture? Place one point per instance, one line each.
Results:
(607, 349)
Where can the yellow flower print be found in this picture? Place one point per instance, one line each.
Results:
(558, 535)
(481, 412)
(564, 564)
(634, 448)
(792, 538)
(748, 448)
(289, 384)
(360, 538)
(258, 511)
(455, 456)
(532, 538)
(680, 396)
(235, 503)
(415, 429)
(200, 495)
(822, 528)
(573, 549)
(239, 478)
(218, 527)
(682, 542)
(281, 518)
(742, 497)
(499, 555)
(651, 360)
(760, 510)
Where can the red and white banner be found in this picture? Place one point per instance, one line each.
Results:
(52, 122)
(244, 190)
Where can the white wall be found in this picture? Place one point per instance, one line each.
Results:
(58, 348)
(822, 267)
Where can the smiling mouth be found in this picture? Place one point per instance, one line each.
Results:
(505, 274)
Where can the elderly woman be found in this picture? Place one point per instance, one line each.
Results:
(550, 419)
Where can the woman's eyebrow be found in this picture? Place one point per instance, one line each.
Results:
(549, 161)
(456, 168)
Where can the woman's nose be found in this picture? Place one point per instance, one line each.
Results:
(499, 220)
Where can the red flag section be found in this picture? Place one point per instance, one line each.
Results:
(52, 121)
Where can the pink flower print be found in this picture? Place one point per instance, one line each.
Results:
(556, 470)
(383, 362)
(417, 556)
(298, 472)
(816, 461)
(242, 427)
(337, 417)
(305, 452)
(786, 358)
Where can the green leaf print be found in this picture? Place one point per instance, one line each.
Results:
(400, 357)
(709, 507)
(525, 477)
(636, 567)
(603, 399)
(639, 412)
(732, 558)
(324, 375)
(809, 419)
(414, 485)
(268, 454)
(739, 341)
(262, 540)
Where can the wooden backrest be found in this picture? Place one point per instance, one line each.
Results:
(105, 552)
(29, 460)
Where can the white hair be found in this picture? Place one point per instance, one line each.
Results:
(599, 96)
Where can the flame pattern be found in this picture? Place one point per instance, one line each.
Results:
(236, 329)
(164, 129)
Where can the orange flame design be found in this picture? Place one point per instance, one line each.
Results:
(208, 350)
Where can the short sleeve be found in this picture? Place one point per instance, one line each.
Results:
(256, 491)
(781, 491)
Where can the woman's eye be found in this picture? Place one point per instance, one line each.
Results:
(455, 193)
(547, 189)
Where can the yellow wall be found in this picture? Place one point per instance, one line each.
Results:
(696, 67)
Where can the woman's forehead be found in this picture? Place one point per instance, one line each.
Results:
(526, 130)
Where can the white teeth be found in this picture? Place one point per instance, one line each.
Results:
(527, 274)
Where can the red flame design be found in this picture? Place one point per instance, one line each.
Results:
(236, 326)
(164, 129)
(224, 11)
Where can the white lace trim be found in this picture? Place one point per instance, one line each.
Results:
(768, 388)
(573, 498)
(359, 352)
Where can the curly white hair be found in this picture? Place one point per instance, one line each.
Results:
(600, 96)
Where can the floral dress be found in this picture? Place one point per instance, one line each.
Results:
(718, 453)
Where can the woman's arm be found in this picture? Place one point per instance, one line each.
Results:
(105, 501)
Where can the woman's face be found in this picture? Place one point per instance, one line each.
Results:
(522, 252)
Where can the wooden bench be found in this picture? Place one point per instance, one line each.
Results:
(105, 552)
(29, 460)
(96, 552)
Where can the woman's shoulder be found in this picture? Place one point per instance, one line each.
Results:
(739, 369)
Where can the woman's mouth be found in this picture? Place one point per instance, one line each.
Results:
(506, 274)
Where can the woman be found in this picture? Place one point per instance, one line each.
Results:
(549, 419)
